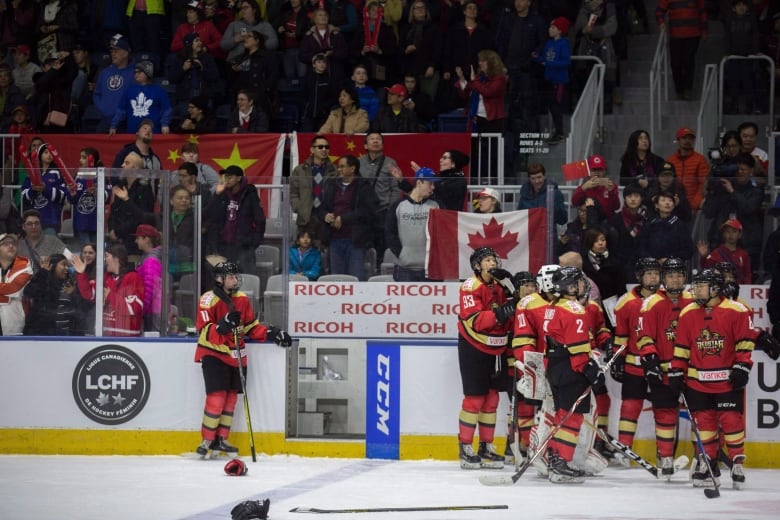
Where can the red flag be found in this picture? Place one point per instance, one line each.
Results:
(575, 170)
(424, 149)
(260, 155)
(518, 237)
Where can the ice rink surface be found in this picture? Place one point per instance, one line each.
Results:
(171, 487)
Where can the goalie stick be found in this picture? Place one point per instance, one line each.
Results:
(680, 462)
(393, 509)
(496, 480)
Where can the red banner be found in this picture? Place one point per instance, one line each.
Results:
(424, 149)
(260, 155)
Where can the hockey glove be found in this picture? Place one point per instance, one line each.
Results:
(618, 369)
(593, 373)
(676, 381)
(251, 509)
(231, 320)
(769, 343)
(609, 348)
(505, 311)
(500, 274)
(740, 373)
(278, 336)
(652, 367)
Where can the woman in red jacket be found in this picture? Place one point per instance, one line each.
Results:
(486, 92)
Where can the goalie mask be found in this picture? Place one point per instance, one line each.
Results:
(545, 276)
(674, 275)
(569, 281)
(708, 279)
(480, 254)
(221, 272)
(645, 267)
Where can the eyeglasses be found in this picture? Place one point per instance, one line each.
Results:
(33, 224)
(322, 146)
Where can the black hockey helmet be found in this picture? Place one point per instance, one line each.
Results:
(725, 268)
(566, 281)
(729, 273)
(480, 254)
(222, 269)
(644, 265)
(523, 277)
(713, 279)
(674, 265)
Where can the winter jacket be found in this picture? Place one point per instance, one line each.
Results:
(355, 122)
(301, 196)
(665, 237)
(150, 271)
(53, 312)
(306, 262)
(531, 200)
(360, 218)
(12, 284)
(249, 215)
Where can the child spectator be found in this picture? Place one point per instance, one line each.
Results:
(83, 199)
(320, 93)
(148, 240)
(48, 197)
(555, 58)
(20, 123)
(305, 259)
(369, 101)
(727, 251)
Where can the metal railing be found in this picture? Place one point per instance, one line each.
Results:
(659, 84)
(587, 120)
(770, 102)
(708, 118)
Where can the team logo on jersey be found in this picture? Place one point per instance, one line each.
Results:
(111, 384)
(115, 82)
(710, 343)
(670, 331)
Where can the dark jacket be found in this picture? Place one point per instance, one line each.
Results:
(665, 237)
(427, 39)
(387, 122)
(361, 218)
(530, 200)
(258, 121)
(608, 277)
(52, 312)
(450, 191)
(250, 217)
(203, 80)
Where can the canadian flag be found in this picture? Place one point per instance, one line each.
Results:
(518, 237)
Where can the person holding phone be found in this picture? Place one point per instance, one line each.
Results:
(600, 188)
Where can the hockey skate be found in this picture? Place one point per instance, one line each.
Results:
(561, 472)
(667, 468)
(604, 449)
(204, 449)
(469, 459)
(738, 472)
(701, 477)
(489, 457)
(220, 445)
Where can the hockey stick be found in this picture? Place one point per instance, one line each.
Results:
(715, 491)
(679, 463)
(220, 292)
(491, 480)
(393, 509)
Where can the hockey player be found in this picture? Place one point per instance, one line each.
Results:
(712, 362)
(656, 328)
(528, 336)
(570, 369)
(484, 323)
(628, 369)
(522, 416)
(225, 318)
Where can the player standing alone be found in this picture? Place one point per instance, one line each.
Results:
(484, 323)
(225, 317)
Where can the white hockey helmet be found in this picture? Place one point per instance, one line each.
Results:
(544, 278)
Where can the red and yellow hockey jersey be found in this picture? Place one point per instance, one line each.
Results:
(477, 321)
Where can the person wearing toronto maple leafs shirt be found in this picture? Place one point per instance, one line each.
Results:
(142, 101)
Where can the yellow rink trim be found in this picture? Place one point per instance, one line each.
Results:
(412, 447)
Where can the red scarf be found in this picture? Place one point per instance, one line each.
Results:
(371, 38)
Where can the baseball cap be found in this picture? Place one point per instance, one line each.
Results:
(489, 192)
(562, 23)
(23, 49)
(146, 230)
(146, 67)
(119, 41)
(667, 168)
(597, 162)
(194, 4)
(397, 89)
(8, 236)
(233, 170)
(733, 223)
(20, 108)
(682, 132)
(426, 174)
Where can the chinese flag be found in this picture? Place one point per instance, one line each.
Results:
(260, 155)
(517, 236)
(575, 170)
(424, 149)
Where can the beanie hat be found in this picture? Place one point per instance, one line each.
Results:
(562, 24)
(459, 159)
(189, 38)
(201, 102)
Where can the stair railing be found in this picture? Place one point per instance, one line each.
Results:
(659, 83)
(587, 120)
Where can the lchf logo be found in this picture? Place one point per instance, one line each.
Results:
(111, 384)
